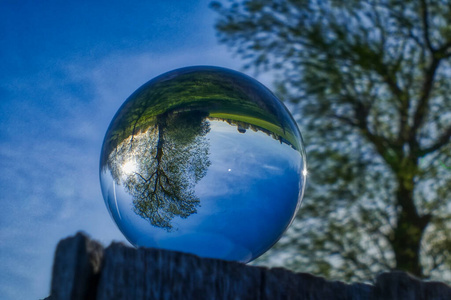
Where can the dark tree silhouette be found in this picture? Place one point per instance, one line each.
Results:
(371, 82)
(160, 166)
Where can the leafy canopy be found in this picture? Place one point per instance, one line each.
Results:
(371, 82)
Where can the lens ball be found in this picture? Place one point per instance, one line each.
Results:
(203, 160)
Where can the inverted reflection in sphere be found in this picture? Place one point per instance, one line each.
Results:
(203, 160)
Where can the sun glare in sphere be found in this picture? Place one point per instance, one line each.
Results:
(130, 167)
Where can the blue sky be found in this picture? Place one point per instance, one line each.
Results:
(65, 68)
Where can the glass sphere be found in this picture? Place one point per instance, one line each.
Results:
(203, 160)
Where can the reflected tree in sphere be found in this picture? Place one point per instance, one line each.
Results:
(165, 163)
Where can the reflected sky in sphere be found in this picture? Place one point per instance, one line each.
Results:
(203, 160)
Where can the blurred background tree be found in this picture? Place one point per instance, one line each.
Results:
(370, 84)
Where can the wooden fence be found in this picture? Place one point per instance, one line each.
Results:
(83, 269)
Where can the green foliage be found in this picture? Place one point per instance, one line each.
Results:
(208, 92)
(371, 81)
(167, 160)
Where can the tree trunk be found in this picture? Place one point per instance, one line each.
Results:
(408, 233)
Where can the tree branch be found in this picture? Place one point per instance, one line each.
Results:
(382, 145)
(389, 80)
(442, 141)
(420, 112)
(425, 21)
(345, 120)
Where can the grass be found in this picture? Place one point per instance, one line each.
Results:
(221, 94)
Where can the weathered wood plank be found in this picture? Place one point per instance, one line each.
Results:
(400, 285)
(158, 274)
(83, 270)
(284, 284)
(75, 268)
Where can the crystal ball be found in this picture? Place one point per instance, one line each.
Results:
(203, 160)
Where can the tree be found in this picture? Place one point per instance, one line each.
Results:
(371, 83)
(159, 166)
